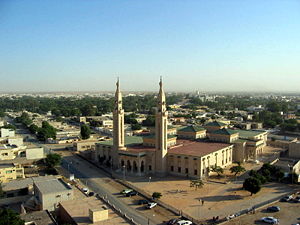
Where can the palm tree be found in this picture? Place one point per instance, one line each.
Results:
(237, 169)
(217, 169)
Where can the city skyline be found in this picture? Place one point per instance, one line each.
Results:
(53, 46)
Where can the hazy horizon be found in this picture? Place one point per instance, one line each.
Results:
(206, 46)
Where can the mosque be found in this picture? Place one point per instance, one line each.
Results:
(161, 153)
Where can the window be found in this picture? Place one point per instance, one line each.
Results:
(172, 168)
(179, 169)
(186, 170)
(195, 158)
(178, 157)
(150, 168)
(195, 172)
(186, 157)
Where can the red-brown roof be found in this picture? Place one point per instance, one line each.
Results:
(195, 148)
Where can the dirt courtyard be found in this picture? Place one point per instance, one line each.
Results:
(222, 197)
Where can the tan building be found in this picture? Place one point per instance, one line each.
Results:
(84, 145)
(151, 155)
(215, 125)
(247, 144)
(194, 159)
(278, 141)
(192, 132)
(10, 171)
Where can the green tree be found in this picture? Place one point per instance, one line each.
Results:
(136, 126)
(10, 217)
(33, 128)
(2, 114)
(156, 195)
(196, 183)
(149, 121)
(53, 160)
(217, 169)
(237, 169)
(85, 131)
(252, 185)
(279, 175)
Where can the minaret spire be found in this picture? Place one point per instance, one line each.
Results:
(118, 126)
(161, 127)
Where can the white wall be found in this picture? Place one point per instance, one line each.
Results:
(35, 153)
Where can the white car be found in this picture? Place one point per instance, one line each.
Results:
(85, 190)
(270, 220)
(184, 222)
(150, 205)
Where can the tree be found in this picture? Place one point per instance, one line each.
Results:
(196, 183)
(237, 169)
(217, 169)
(10, 217)
(136, 126)
(2, 114)
(53, 160)
(156, 195)
(85, 131)
(252, 185)
(149, 121)
(33, 128)
(279, 175)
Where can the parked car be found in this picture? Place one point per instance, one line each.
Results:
(150, 205)
(287, 198)
(85, 190)
(172, 221)
(184, 222)
(273, 209)
(143, 202)
(91, 194)
(132, 193)
(270, 220)
(125, 191)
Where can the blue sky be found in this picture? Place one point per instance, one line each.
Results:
(216, 45)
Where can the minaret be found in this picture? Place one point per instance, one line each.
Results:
(118, 127)
(161, 126)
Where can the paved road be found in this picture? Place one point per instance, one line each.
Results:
(95, 181)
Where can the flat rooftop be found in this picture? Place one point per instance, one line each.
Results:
(78, 210)
(24, 183)
(196, 148)
(52, 186)
(39, 217)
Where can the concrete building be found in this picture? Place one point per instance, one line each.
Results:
(7, 132)
(50, 193)
(215, 125)
(84, 145)
(192, 132)
(279, 141)
(10, 171)
(10, 152)
(247, 144)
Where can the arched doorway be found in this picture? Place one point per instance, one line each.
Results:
(142, 167)
(128, 166)
(122, 163)
(135, 168)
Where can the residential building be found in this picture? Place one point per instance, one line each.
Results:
(10, 171)
(294, 150)
(49, 193)
(7, 132)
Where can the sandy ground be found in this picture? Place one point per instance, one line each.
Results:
(221, 196)
(289, 214)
